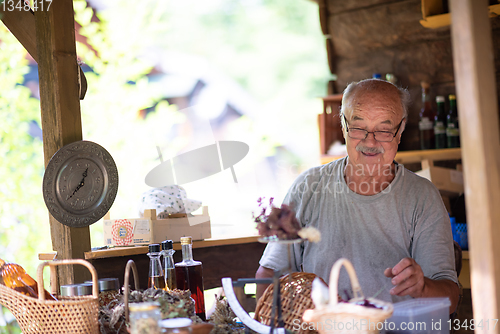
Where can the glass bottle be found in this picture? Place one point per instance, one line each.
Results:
(167, 250)
(189, 274)
(452, 130)
(15, 277)
(426, 124)
(156, 279)
(440, 123)
(144, 318)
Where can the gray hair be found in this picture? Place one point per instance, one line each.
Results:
(353, 87)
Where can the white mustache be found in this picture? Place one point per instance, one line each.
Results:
(371, 150)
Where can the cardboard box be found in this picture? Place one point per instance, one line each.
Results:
(449, 181)
(149, 230)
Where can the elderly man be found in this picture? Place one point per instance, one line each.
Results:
(390, 223)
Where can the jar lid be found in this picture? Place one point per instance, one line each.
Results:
(145, 306)
(71, 290)
(175, 323)
(106, 284)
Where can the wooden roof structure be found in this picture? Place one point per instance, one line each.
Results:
(49, 36)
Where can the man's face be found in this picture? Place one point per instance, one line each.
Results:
(373, 111)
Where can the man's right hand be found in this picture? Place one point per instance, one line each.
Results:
(262, 272)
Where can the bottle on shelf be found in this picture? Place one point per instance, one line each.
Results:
(167, 250)
(426, 124)
(440, 124)
(156, 279)
(15, 277)
(189, 274)
(452, 129)
(391, 78)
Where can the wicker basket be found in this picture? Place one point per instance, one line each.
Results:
(67, 315)
(295, 299)
(348, 317)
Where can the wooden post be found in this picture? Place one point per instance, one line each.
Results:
(61, 120)
(21, 24)
(480, 141)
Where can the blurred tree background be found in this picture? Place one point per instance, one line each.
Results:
(272, 49)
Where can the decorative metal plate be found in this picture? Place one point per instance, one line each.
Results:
(80, 184)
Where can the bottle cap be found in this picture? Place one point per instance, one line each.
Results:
(154, 248)
(439, 99)
(425, 84)
(377, 76)
(452, 97)
(186, 240)
(167, 244)
(175, 323)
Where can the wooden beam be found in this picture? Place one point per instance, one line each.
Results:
(21, 24)
(480, 141)
(61, 119)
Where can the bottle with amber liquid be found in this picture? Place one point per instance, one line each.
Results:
(189, 274)
(15, 277)
(167, 251)
(156, 279)
(426, 124)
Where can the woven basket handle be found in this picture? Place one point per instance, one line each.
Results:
(334, 280)
(130, 264)
(53, 264)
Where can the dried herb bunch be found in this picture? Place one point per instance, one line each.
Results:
(173, 304)
(279, 222)
(282, 223)
(223, 319)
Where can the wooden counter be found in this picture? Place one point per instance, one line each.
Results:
(235, 258)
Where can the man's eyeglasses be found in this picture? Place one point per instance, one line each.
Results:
(382, 136)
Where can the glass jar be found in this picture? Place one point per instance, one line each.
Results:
(109, 290)
(176, 326)
(144, 318)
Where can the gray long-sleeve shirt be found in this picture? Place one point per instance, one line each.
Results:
(407, 219)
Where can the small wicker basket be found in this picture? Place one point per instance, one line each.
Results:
(348, 317)
(295, 291)
(67, 315)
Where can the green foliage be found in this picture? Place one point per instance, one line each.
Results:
(22, 211)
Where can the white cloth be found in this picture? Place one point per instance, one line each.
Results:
(168, 200)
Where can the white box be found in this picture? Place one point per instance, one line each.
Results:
(149, 230)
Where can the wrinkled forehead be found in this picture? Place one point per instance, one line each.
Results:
(375, 98)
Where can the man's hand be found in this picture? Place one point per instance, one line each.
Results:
(408, 278)
(262, 272)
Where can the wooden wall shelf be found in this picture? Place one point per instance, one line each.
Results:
(406, 157)
(432, 17)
